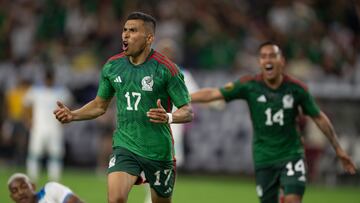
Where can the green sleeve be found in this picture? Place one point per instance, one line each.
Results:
(234, 90)
(105, 90)
(177, 89)
(309, 105)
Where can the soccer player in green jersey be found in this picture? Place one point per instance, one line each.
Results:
(275, 100)
(146, 84)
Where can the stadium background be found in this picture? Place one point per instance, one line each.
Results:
(217, 42)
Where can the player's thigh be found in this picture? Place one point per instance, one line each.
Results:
(123, 172)
(119, 186)
(160, 175)
(268, 184)
(293, 178)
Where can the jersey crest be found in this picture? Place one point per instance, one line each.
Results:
(147, 83)
(288, 101)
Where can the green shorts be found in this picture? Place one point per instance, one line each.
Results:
(159, 174)
(290, 176)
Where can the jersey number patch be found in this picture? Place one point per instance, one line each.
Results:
(166, 172)
(277, 117)
(131, 105)
(298, 167)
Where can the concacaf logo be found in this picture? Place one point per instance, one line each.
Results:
(229, 86)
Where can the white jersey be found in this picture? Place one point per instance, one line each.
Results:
(43, 101)
(53, 192)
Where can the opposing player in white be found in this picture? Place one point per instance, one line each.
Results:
(23, 191)
(46, 135)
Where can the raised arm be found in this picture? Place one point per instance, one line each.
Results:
(182, 115)
(206, 95)
(91, 110)
(323, 122)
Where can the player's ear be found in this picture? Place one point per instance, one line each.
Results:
(33, 186)
(150, 38)
(283, 60)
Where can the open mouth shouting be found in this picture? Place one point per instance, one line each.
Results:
(269, 67)
(125, 45)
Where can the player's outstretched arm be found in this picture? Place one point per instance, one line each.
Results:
(183, 114)
(206, 95)
(93, 109)
(323, 122)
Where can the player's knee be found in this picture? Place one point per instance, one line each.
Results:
(292, 198)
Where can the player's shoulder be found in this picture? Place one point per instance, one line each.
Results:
(52, 184)
(249, 78)
(166, 62)
(116, 57)
(55, 186)
(295, 82)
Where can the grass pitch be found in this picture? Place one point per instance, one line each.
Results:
(189, 189)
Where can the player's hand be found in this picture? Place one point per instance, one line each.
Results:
(63, 113)
(346, 161)
(158, 115)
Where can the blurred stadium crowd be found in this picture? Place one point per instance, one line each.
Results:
(217, 40)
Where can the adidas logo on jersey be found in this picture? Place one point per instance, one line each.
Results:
(168, 190)
(118, 79)
(262, 98)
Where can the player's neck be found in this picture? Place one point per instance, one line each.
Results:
(141, 57)
(274, 83)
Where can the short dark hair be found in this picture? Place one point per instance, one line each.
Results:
(267, 43)
(143, 16)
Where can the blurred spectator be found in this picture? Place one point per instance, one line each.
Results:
(23, 29)
(46, 136)
(15, 129)
(79, 23)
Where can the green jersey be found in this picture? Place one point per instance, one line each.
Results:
(137, 88)
(273, 114)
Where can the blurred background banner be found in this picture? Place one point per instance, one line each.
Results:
(216, 41)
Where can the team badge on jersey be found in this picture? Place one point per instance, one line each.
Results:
(288, 101)
(147, 83)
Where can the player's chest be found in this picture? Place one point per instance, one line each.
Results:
(262, 98)
(146, 80)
